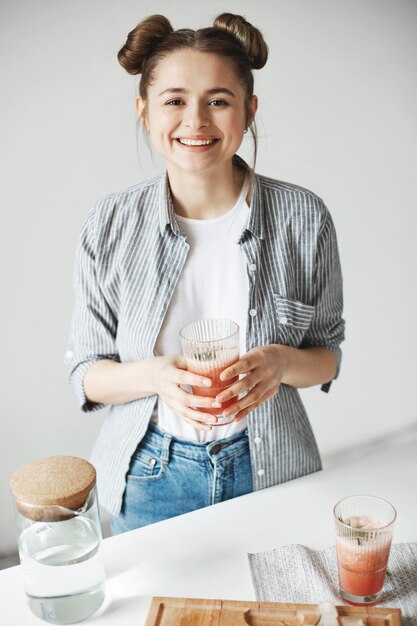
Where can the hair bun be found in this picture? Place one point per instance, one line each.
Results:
(249, 37)
(141, 41)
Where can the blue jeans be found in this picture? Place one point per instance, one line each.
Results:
(169, 476)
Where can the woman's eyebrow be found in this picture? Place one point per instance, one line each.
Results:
(209, 91)
(221, 90)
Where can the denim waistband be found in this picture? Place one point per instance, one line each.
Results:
(218, 449)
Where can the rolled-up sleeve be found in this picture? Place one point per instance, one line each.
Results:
(327, 328)
(94, 324)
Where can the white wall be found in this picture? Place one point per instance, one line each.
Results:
(337, 115)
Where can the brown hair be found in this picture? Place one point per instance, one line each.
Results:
(230, 37)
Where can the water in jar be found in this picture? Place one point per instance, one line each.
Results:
(62, 569)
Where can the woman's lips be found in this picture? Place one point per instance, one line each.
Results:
(196, 145)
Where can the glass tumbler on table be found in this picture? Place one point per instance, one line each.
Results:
(209, 347)
(59, 536)
(364, 529)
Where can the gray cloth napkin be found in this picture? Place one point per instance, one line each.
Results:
(296, 573)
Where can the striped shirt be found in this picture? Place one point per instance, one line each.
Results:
(130, 256)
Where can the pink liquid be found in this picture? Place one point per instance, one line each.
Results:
(362, 567)
(217, 386)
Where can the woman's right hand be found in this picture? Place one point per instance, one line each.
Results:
(169, 372)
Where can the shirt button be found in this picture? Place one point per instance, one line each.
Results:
(152, 462)
(252, 267)
(257, 440)
(283, 320)
(69, 354)
(252, 312)
(261, 472)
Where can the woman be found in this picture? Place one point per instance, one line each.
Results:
(207, 239)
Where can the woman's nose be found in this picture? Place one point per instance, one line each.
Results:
(196, 117)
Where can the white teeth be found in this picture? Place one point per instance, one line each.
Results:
(196, 142)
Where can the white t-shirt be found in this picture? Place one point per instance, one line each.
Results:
(214, 284)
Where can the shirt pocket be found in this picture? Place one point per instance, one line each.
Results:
(293, 319)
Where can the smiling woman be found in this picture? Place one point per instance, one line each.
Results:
(209, 238)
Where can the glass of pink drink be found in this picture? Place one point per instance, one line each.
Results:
(364, 528)
(209, 347)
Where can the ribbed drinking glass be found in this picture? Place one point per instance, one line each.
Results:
(210, 346)
(364, 529)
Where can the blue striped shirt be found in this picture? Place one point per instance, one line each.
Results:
(130, 256)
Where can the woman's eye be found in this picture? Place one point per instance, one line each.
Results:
(218, 102)
(174, 102)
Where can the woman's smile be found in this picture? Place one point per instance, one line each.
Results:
(196, 144)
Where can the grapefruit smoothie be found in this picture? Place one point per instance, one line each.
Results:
(209, 347)
(211, 370)
(362, 563)
(363, 544)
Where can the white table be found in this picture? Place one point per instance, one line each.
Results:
(203, 554)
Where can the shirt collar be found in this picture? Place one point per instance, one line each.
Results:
(255, 220)
(166, 208)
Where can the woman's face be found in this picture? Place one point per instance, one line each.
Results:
(195, 111)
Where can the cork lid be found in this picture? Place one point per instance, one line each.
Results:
(40, 487)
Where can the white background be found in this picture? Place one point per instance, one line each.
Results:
(337, 115)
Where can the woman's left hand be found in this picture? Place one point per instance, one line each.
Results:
(263, 369)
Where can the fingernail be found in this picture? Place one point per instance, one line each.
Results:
(216, 405)
(206, 382)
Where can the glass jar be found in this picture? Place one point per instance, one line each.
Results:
(59, 536)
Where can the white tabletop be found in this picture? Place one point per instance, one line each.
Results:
(203, 554)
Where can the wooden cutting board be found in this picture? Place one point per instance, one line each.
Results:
(166, 611)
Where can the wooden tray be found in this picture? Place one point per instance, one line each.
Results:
(166, 611)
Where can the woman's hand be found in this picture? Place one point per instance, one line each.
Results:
(266, 367)
(263, 369)
(169, 372)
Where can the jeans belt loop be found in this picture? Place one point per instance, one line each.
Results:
(165, 448)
